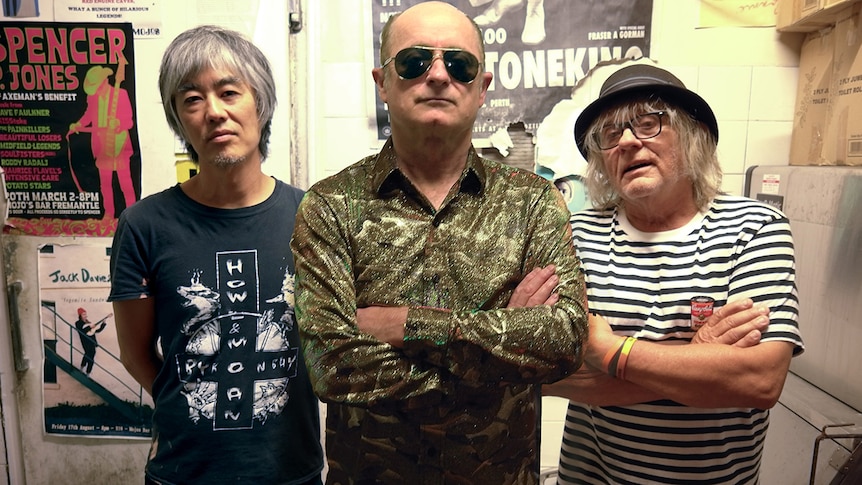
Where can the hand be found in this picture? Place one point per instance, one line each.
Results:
(737, 323)
(601, 339)
(537, 288)
(386, 323)
(73, 128)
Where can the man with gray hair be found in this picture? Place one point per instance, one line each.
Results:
(202, 283)
(692, 292)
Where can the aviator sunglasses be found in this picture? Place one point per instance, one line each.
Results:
(415, 61)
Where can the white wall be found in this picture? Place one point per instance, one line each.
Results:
(748, 75)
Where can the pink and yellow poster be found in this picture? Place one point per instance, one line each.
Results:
(69, 146)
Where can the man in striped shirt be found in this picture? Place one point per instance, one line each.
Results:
(692, 292)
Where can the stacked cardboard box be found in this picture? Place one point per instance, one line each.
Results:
(813, 98)
(827, 127)
(809, 15)
(843, 136)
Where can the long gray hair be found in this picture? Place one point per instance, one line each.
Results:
(209, 46)
(698, 152)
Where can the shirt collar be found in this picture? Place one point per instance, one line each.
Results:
(386, 177)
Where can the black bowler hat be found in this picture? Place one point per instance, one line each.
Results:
(644, 80)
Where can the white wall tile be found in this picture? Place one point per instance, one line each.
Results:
(773, 93)
(733, 184)
(732, 141)
(344, 35)
(686, 73)
(343, 99)
(553, 420)
(768, 143)
(727, 89)
(352, 137)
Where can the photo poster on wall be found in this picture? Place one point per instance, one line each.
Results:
(86, 389)
(68, 137)
(537, 50)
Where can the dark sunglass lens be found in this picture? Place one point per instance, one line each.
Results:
(462, 65)
(412, 62)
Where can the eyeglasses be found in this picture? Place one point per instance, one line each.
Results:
(415, 61)
(645, 126)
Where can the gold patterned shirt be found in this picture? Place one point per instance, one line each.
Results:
(459, 403)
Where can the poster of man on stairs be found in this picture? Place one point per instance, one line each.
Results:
(86, 389)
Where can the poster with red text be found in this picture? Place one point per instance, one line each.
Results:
(68, 138)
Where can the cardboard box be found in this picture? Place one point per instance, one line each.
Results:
(813, 98)
(786, 13)
(810, 15)
(843, 136)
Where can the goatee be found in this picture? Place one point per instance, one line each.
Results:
(223, 161)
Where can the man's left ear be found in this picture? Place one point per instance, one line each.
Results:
(379, 78)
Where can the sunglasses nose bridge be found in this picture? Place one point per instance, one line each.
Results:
(434, 57)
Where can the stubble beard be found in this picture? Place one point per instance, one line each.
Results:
(223, 161)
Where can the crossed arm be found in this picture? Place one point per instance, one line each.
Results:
(387, 323)
(725, 365)
(366, 351)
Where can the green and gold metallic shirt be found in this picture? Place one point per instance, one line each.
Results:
(459, 403)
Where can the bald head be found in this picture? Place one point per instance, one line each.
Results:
(425, 13)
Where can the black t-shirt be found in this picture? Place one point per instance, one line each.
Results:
(233, 403)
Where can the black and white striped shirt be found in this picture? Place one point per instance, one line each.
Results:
(643, 284)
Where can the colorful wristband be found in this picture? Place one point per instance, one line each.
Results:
(624, 357)
(609, 362)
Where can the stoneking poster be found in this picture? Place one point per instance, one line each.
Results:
(68, 137)
(537, 50)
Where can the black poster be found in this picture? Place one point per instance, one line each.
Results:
(538, 50)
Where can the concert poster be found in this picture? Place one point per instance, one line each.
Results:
(69, 145)
(86, 389)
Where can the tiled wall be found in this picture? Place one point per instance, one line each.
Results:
(748, 75)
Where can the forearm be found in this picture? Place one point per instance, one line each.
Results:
(677, 373)
(534, 345)
(144, 370)
(707, 375)
(590, 386)
(711, 375)
(136, 335)
(353, 367)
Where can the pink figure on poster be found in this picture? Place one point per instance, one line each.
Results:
(108, 119)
